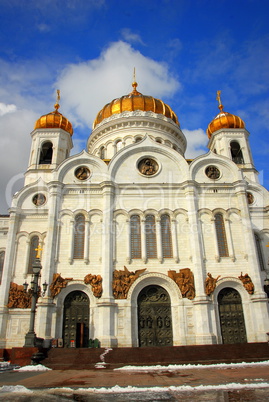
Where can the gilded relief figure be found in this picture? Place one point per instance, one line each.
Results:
(185, 281)
(18, 297)
(210, 284)
(96, 283)
(247, 282)
(57, 284)
(123, 280)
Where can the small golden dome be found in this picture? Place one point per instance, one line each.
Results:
(55, 119)
(135, 101)
(224, 120)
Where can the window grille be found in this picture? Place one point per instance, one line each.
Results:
(166, 236)
(135, 236)
(32, 254)
(79, 236)
(150, 234)
(2, 259)
(221, 236)
(259, 251)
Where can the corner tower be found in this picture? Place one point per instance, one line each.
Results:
(228, 137)
(51, 143)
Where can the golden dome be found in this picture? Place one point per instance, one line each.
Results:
(55, 119)
(135, 101)
(224, 120)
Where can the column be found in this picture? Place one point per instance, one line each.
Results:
(204, 332)
(174, 239)
(159, 240)
(45, 306)
(106, 304)
(7, 273)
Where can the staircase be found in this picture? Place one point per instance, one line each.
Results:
(86, 359)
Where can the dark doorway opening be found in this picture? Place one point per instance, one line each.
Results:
(231, 316)
(76, 320)
(154, 317)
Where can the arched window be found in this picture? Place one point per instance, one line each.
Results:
(135, 236)
(46, 154)
(102, 152)
(259, 251)
(236, 153)
(166, 236)
(119, 145)
(2, 260)
(138, 139)
(150, 234)
(221, 236)
(32, 254)
(79, 236)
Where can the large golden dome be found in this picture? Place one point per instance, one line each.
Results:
(224, 120)
(135, 101)
(54, 120)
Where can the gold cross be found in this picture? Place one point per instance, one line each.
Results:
(38, 251)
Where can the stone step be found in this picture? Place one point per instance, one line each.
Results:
(80, 359)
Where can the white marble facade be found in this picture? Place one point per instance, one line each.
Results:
(114, 191)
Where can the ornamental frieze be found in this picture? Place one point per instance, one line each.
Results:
(96, 283)
(210, 284)
(57, 284)
(185, 281)
(123, 280)
(247, 283)
(18, 297)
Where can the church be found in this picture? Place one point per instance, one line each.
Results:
(139, 246)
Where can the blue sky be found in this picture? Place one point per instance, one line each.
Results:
(183, 51)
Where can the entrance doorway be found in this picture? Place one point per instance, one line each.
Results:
(231, 316)
(76, 320)
(154, 317)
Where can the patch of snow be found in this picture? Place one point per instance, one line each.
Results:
(15, 388)
(102, 363)
(229, 386)
(38, 367)
(174, 367)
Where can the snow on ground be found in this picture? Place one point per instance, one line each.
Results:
(175, 367)
(38, 367)
(129, 389)
(15, 388)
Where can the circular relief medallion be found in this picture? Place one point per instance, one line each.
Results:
(250, 198)
(212, 172)
(148, 166)
(39, 199)
(82, 173)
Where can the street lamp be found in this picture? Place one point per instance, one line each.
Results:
(30, 337)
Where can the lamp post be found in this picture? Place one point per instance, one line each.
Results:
(30, 337)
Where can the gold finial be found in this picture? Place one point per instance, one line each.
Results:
(38, 251)
(134, 84)
(57, 105)
(219, 100)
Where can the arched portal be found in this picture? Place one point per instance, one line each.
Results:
(154, 317)
(231, 316)
(76, 320)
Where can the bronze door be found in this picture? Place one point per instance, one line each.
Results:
(231, 315)
(154, 317)
(76, 320)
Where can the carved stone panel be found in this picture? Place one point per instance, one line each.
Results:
(185, 281)
(123, 280)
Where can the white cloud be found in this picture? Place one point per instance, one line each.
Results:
(131, 37)
(4, 108)
(86, 87)
(197, 141)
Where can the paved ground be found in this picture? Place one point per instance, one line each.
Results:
(42, 383)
